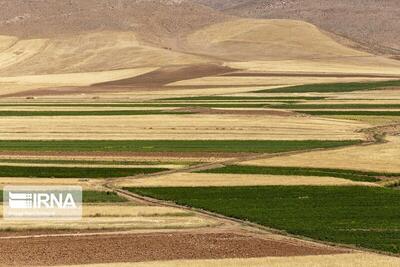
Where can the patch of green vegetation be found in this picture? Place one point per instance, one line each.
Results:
(137, 105)
(363, 216)
(101, 197)
(338, 106)
(352, 112)
(90, 113)
(321, 172)
(243, 98)
(333, 87)
(72, 172)
(231, 146)
(94, 197)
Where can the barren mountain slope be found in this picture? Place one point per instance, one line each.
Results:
(70, 36)
(374, 23)
(250, 39)
(96, 35)
(156, 21)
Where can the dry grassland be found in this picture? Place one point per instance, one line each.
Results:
(216, 81)
(92, 184)
(209, 179)
(109, 217)
(180, 127)
(242, 39)
(95, 51)
(15, 84)
(342, 260)
(110, 223)
(131, 211)
(345, 64)
(379, 158)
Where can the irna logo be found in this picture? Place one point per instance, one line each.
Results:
(42, 202)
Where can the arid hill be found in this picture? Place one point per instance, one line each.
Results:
(372, 23)
(156, 21)
(40, 37)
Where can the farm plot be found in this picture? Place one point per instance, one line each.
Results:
(106, 210)
(225, 179)
(374, 158)
(367, 217)
(179, 127)
(334, 87)
(228, 146)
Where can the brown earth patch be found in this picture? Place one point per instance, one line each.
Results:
(166, 75)
(149, 247)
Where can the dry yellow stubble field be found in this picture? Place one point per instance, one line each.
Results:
(211, 179)
(378, 157)
(180, 127)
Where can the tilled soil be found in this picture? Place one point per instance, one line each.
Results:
(148, 247)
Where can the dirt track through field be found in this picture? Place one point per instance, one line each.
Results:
(148, 247)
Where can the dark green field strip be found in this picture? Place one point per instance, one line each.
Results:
(322, 172)
(231, 146)
(100, 162)
(363, 216)
(72, 172)
(352, 112)
(332, 87)
(90, 113)
(338, 106)
(101, 197)
(93, 197)
(147, 105)
(243, 98)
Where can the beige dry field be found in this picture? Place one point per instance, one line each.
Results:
(209, 179)
(117, 217)
(179, 127)
(378, 157)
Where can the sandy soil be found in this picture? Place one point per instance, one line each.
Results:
(211, 179)
(342, 260)
(147, 247)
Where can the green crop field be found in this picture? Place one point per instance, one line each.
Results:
(243, 98)
(99, 162)
(72, 172)
(232, 146)
(332, 87)
(322, 172)
(94, 197)
(362, 216)
(338, 106)
(89, 113)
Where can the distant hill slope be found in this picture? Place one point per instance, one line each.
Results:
(75, 36)
(373, 23)
(156, 21)
(251, 39)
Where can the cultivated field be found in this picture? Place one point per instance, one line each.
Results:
(199, 138)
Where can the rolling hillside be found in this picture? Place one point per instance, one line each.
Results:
(371, 23)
